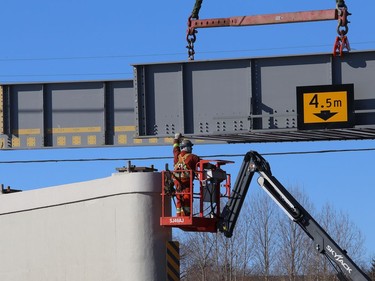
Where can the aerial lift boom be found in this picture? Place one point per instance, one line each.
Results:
(324, 244)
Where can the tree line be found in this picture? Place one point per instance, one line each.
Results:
(268, 246)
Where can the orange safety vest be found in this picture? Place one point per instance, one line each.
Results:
(181, 168)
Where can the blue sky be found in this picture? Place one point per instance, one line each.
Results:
(94, 40)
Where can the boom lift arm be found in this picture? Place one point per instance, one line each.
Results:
(254, 163)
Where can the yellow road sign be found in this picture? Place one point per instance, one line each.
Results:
(327, 106)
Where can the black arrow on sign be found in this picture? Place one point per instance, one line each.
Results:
(325, 114)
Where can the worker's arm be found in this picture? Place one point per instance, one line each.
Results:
(176, 147)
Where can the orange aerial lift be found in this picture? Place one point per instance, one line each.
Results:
(212, 180)
(210, 217)
(340, 13)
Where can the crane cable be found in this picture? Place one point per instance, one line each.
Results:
(196, 9)
(191, 32)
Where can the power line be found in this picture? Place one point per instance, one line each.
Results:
(144, 55)
(170, 157)
(90, 57)
(173, 54)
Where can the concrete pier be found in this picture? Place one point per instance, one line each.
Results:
(104, 229)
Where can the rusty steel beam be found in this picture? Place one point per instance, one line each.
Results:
(292, 17)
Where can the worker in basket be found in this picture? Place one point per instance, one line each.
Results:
(184, 161)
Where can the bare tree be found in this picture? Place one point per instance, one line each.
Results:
(294, 246)
(349, 237)
(197, 249)
(372, 270)
(211, 256)
(226, 258)
(236, 252)
(263, 220)
(265, 244)
(345, 233)
(245, 253)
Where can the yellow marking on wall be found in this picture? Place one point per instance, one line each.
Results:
(137, 141)
(61, 141)
(168, 140)
(31, 142)
(2, 143)
(74, 130)
(153, 140)
(124, 128)
(76, 140)
(122, 139)
(16, 142)
(173, 261)
(27, 132)
(91, 140)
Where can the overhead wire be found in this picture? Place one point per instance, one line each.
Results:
(90, 57)
(171, 157)
(170, 54)
(145, 55)
(119, 56)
